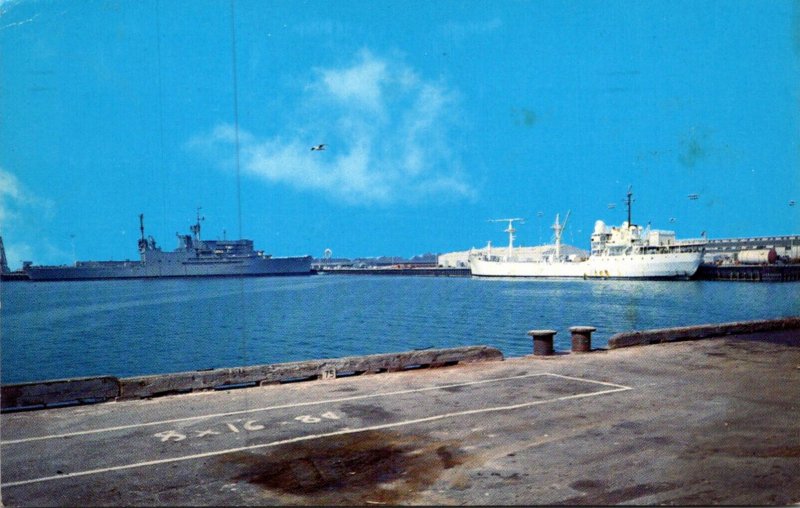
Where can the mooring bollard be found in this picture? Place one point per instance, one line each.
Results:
(582, 338)
(542, 342)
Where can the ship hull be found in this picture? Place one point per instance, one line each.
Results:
(679, 265)
(166, 267)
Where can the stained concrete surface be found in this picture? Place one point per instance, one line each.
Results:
(702, 422)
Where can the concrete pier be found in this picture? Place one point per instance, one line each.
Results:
(686, 423)
(62, 392)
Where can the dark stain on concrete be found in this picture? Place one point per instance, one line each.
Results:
(449, 460)
(754, 451)
(658, 441)
(588, 485)
(564, 388)
(781, 451)
(361, 468)
(368, 412)
(453, 389)
(629, 426)
(787, 338)
(617, 496)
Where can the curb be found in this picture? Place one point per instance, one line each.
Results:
(62, 392)
(661, 335)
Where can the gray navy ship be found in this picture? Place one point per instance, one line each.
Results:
(194, 257)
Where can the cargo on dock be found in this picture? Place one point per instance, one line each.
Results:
(749, 273)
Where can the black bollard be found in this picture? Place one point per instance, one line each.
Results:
(542, 342)
(582, 338)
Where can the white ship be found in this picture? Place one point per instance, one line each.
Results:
(625, 252)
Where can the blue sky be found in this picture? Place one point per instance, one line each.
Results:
(437, 115)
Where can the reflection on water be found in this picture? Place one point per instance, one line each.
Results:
(123, 328)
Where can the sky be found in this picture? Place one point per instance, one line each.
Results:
(437, 117)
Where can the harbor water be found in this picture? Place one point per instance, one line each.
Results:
(52, 330)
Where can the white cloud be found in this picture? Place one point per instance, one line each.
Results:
(18, 206)
(17, 202)
(10, 195)
(389, 134)
(357, 85)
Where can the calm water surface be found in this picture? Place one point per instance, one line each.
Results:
(125, 328)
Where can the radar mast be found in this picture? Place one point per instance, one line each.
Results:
(195, 228)
(142, 241)
(629, 201)
(510, 230)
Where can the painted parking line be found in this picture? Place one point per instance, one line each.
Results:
(611, 388)
(289, 406)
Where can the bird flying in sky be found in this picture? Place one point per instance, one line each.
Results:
(318, 147)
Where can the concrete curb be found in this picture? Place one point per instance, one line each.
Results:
(59, 391)
(657, 336)
(52, 393)
(150, 386)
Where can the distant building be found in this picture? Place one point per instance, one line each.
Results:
(786, 246)
(461, 259)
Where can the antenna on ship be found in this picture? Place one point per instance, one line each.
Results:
(142, 241)
(510, 230)
(196, 227)
(628, 201)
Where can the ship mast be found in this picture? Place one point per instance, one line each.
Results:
(196, 227)
(142, 241)
(557, 230)
(628, 201)
(510, 230)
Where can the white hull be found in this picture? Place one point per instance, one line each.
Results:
(676, 265)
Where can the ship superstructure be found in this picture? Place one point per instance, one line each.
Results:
(194, 257)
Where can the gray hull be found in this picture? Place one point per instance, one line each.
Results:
(194, 257)
(166, 267)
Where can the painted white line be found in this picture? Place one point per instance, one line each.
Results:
(620, 388)
(267, 408)
(289, 406)
(604, 383)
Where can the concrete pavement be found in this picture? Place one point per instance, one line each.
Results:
(700, 422)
